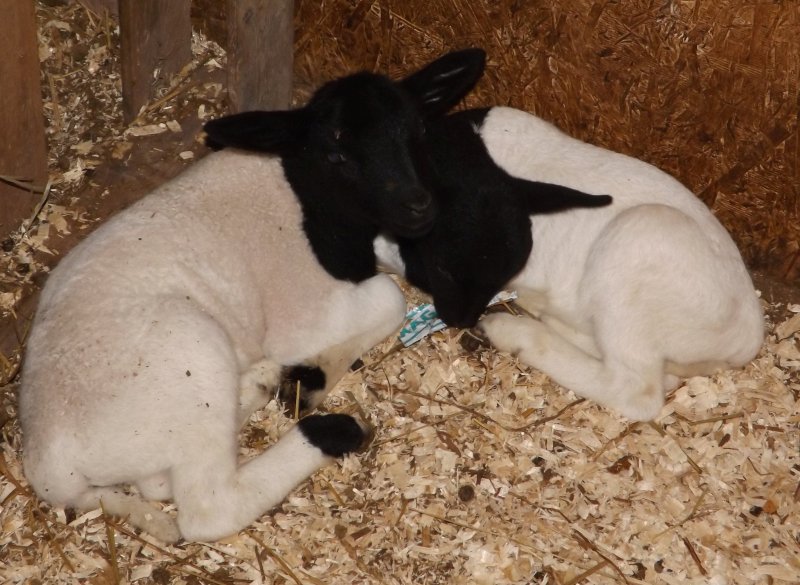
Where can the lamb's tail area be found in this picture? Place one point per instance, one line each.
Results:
(136, 510)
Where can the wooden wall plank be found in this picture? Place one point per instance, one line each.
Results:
(260, 53)
(23, 150)
(156, 42)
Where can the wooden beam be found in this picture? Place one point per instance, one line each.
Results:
(260, 54)
(23, 150)
(155, 42)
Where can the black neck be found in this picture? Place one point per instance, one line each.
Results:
(341, 241)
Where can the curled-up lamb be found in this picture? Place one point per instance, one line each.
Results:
(482, 236)
(156, 336)
(628, 298)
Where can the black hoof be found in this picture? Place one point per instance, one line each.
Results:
(309, 379)
(474, 339)
(333, 434)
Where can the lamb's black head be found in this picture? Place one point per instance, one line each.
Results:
(364, 147)
(354, 153)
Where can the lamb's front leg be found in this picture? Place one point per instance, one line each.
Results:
(257, 387)
(215, 498)
(265, 380)
(358, 318)
(631, 383)
(300, 384)
(369, 316)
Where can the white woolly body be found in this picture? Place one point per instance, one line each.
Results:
(631, 295)
(155, 338)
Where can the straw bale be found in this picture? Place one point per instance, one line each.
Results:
(707, 91)
(482, 470)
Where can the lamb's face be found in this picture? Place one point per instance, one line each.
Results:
(463, 265)
(366, 145)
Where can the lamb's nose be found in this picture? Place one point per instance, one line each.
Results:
(419, 205)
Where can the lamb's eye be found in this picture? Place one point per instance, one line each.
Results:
(336, 158)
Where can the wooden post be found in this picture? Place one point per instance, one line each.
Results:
(260, 54)
(23, 150)
(155, 42)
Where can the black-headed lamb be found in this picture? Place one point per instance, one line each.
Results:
(156, 337)
(483, 234)
(627, 298)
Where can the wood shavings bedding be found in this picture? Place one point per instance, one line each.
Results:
(472, 478)
(481, 471)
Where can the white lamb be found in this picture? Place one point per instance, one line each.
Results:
(157, 336)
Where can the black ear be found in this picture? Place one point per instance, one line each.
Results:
(272, 132)
(444, 82)
(538, 198)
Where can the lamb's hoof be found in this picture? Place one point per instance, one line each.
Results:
(165, 531)
(301, 386)
(502, 331)
(335, 435)
(473, 340)
(644, 405)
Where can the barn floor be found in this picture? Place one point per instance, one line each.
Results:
(481, 471)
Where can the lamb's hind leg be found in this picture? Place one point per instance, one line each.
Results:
(215, 499)
(635, 390)
(51, 474)
(214, 495)
(138, 512)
